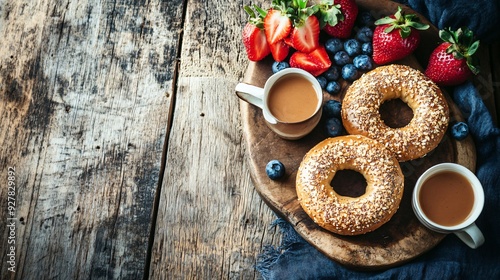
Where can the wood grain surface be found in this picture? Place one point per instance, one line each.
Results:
(121, 122)
(104, 106)
(403, 237)
(85, 91)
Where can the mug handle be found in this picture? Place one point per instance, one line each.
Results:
(471, 235)
(251, 94)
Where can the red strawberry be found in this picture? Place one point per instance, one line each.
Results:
(315, 62)
(279, 50)
(451, 63)
(338, 17)
(289, 42)
(305, 34)
(254, 37)
(277, 25)
(395, 37)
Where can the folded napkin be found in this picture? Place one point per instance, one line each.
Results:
(451, 259)
(481, 16)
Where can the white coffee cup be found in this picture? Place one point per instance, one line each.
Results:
(260, 98)
(466, 230)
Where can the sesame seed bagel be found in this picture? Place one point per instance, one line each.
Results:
(361, 104)
(343, 214)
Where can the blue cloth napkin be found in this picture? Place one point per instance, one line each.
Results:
(451, 259)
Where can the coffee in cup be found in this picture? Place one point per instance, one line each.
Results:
(290, 101)
(448, 198)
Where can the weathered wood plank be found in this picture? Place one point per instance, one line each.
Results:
(211, 223)
(85, 90)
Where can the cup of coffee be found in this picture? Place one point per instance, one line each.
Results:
(448, 198)
(290, 101)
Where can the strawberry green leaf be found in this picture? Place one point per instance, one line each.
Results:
(472, 67)
(446, 36)
(403, 22)
(261, 11)
(405, 31)
(249, 11)
(418, 25)
(329, 13)
(385, 20)
(473, 48)
(389, 29)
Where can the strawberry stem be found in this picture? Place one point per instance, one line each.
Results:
(403, 22)
(256, 19)
(462, 45)
(329, 13)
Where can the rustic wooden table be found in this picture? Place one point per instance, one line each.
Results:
(121, 148)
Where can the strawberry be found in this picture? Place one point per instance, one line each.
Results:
(305, 32)
(279, 50)
(396, 37)
(337, 17)
(452, 62)
(277, 24)
(315, 62)
(254, 37)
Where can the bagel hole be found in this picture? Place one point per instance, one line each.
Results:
(349, 183)
(395, 113)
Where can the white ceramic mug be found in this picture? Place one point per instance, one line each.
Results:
(260, 98)
(467, 230)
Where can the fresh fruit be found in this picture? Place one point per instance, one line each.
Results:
(349, 72)
(364, 34)
(322, 81)
(338, 17)
(277, 25)
(365, 18)
(332, 108)
(363, 62)
(305, 32)
(352, 47)
(254, 37)
(452, 62)
(279, 65)
(275, 169)
(279, 50)
(332, 74)
(366, 48)
(396, 36)
(460, 130)
(334, 45)
(315, 62)
(341, 58)
(334, 127)
(333, 87)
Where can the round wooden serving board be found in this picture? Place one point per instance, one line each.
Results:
(403, 237)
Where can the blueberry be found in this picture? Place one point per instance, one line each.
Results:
(275, 169)
(332, 74)
(365, 18)
(322, 81)
(333, 87)
(364, 34)
(367, 48)
(334, 127)
(334, 45)
(363, 62)
(352, 47)
(460, 130)
(278, 66)
(349, 72)
(341, 58)
(332, 108)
